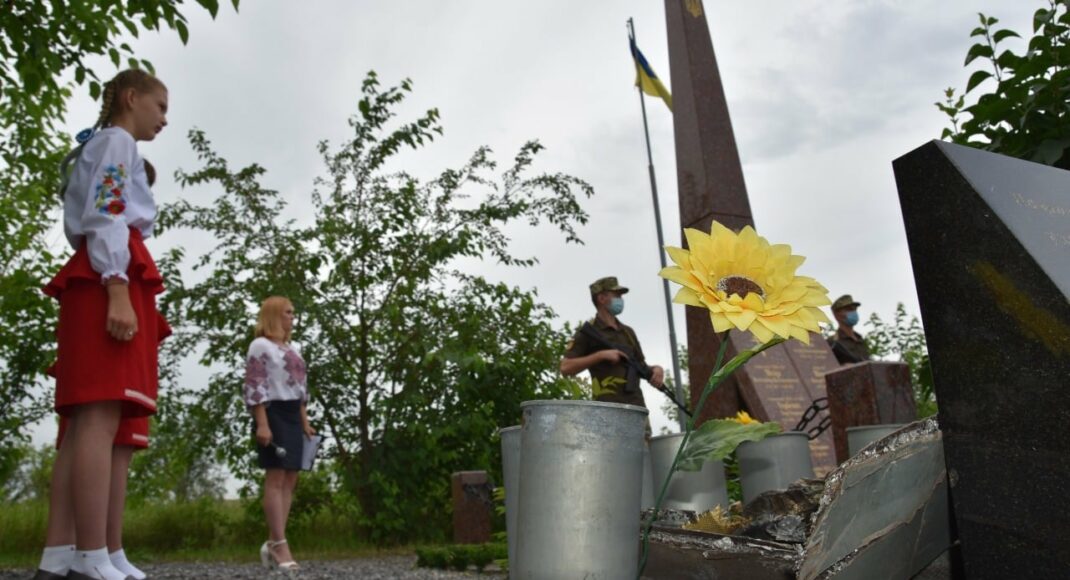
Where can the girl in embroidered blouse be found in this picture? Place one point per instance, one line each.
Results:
(276, 393)
(109, 328)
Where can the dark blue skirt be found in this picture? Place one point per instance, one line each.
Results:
(284, 419)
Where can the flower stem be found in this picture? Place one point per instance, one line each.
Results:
(711, 385)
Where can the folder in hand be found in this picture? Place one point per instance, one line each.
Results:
(308, 455)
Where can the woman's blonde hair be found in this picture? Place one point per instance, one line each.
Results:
(269, 321)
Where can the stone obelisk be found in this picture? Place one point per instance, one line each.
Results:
(708, 171)
(784, 381)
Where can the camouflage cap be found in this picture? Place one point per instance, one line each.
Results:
(607, 284)
(845, 301)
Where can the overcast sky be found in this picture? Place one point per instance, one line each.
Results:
(823, 96)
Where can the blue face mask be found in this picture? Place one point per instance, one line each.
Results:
(851, 318)
(616, 305)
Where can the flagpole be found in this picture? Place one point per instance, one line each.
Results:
(678, 384)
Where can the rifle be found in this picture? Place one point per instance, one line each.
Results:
(636, 368)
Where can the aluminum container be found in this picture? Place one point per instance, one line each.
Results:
(511, 476)
(649, 490)
(698, 491)
(773, 463)
(581, 474)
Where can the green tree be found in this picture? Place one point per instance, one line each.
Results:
(26, 473)
(43, 45)
(904, 339)
(1026, 112)
(412, 364)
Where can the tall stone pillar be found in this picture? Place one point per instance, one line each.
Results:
(708, 173)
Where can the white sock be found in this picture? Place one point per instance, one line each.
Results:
(118, 559)
(57, 559)
(96, 565)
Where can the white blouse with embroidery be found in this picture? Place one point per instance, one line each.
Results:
(108, 193)
(274, 372)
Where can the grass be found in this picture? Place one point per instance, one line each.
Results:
(205, 530)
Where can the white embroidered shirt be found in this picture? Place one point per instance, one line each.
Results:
(108, 193)
(274, 372)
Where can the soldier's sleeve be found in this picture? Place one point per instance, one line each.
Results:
(579, 345)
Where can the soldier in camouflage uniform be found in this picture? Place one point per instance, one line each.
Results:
(848, 346)
(608, 367)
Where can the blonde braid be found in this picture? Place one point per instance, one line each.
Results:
(135, 79)
(106, 104)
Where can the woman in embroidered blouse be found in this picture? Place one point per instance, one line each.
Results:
(276, 394)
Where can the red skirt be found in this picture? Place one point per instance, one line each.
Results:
(91, 366)
(133, 431)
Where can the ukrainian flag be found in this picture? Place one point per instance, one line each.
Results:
(647, 80)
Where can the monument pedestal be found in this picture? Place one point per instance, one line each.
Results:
(868, 393)
(471, 494)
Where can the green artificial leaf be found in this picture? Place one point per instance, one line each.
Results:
(718, 438)
(741, 359)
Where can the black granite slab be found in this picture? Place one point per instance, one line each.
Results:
(989, 240)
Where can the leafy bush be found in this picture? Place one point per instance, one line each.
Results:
(461, 556)
(483, 555)
(1025, 113)
(904, 339)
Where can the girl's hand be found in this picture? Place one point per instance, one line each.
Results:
(263, 435)
(309, 431)
(122, 320)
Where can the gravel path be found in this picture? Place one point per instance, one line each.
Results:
(365, 568)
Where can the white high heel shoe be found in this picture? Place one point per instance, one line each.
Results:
(265, 555)
(290, 566)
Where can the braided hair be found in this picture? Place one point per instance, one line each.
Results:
(110, 105)
(150, 173)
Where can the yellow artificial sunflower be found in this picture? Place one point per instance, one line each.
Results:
(743, 418)
(747, 283)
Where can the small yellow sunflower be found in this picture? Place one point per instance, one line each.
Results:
(743, 418)
(748, 284)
